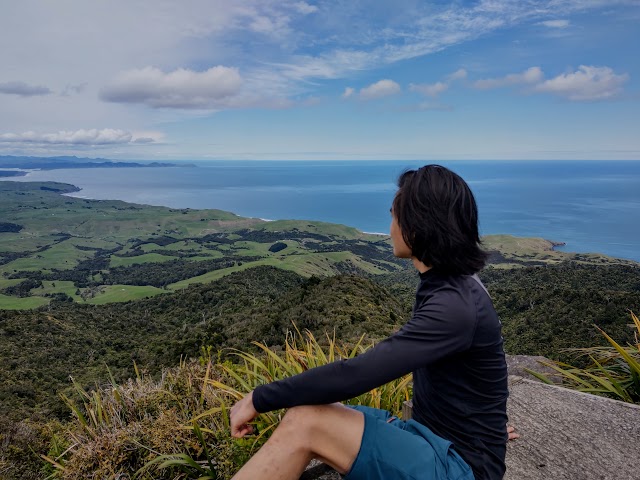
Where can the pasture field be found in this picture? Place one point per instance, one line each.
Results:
(60, 286)
(123, 293)
(8, 282)
(117, 261)
(8, 302)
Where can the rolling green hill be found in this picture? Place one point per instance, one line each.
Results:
(95, 252)
(50, 240)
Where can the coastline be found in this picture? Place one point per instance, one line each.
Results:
(73, 162)
(272, 197)
(555, 244)
(13, 172)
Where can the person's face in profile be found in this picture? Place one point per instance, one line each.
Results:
(400, 248)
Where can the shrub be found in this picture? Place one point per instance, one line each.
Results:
(21, 443)
(614, 370)
(277, 247)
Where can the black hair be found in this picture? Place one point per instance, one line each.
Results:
(438, 216)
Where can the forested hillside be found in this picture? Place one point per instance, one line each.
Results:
(47, 346)
(544, 310)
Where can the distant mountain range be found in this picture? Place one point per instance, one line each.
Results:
(52, 163)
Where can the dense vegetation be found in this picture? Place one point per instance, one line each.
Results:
(79, 340)
(163, 274)
(47, 346)
(10, 227)
(548, 309)
(43, 348)
(544, 310)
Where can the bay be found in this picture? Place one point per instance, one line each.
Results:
(593, 206)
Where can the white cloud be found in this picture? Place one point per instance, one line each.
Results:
(101, 42)
(23, 89)
(270, 26)
(304, 8)
(382, 88)
(529, 76)
(106, 136)
(147, 136)
(143, 140)
(555, 23)
(178, 89)
(435, 89)
(348, 92)
(413, 30)
(587, 83)
(459, 74)
(429, 89)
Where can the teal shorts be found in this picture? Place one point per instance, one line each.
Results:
(394, 449)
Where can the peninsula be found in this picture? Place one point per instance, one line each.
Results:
(54, 163)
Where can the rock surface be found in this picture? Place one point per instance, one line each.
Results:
(572, 435)
(319, 471)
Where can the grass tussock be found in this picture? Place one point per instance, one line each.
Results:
(614, 370)
(20, 445)
(177, 427)
(119, 429)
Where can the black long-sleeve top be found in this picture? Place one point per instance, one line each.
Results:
(453, 346)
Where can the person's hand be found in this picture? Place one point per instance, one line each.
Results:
(512, 433)
(241, 414)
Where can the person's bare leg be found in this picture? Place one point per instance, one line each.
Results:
(331, 433)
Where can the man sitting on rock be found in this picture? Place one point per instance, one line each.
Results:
(452, 344)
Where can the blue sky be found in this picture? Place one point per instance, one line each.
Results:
(280, 79)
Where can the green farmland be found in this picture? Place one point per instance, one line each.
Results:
(56, 247)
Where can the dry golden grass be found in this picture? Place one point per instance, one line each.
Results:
(177, 427)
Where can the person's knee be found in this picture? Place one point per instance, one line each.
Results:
(314, 430)
(306, 420)
(299, 417)
(299, 424)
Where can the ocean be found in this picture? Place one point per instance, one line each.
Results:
(592, 206)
